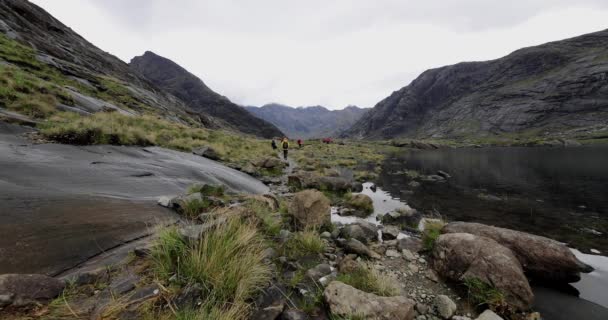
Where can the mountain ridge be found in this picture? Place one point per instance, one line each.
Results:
(308, 122)
(551, 89)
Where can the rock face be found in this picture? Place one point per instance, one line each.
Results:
(176, 80)
(463, 256)
(308, 122)
(346, 301)
(554, 87)
(540, 257)
(26, 289)
(310, 208)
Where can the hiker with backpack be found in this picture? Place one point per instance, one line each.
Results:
(285, 145)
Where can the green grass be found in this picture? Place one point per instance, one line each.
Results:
(227, 262)
(207, 190)
(303, 244)
(270, 222)
(194, 207)
(432, 231)
(481, 293)
(368, 279)
(115, 128)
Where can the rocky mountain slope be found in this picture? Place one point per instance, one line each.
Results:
(308, 122)
(171, 77)
(556, 89)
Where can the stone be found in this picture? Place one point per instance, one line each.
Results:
(489, 315)
(293, 314)
(318, 272)
(443, 174)
(166, 201)
(445, 306)
(403, 218)
(310, 209)
(541, 257)
(390, 232)
(207, 152)
(270, 303)
(363, 231)
(326, 235)
(189, 297)
(345, 301)
(123, 284)
(22, 290)
(362, 205)
(145, 293)
(408, 255)
(284, 235)
(355, 246)
(348, 265)
(412, 244)
(463, 256)
(422, 308)
(392, 253)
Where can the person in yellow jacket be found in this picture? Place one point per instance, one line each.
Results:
(285, 146)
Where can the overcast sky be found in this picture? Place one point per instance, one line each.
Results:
(322, 52)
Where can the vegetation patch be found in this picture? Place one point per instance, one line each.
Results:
(481, 293)
(303, 244)
(432, 231)
(368, 279)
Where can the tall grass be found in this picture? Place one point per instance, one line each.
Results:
(432, 231)
(303, 244)
(227, 262)
(368, 279)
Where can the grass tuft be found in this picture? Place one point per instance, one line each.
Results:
(481, 293)
(432, 231)
(303, 244)
(368, 279)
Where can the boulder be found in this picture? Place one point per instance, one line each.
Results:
(293, 314)
(318, 272)
(411, 244)
(541, 257)
(310, 209)
(207, 152)
(270, 163)
(362, 205)
(489, 315)
(390, 233)
(363, 231)
(445, 306)
(20, 290)
(463, 256)
(403, 217)
(270, 304)
(356, 247)
(346, 301)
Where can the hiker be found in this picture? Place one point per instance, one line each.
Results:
(285, 145)
(274, 145)
(300, 143)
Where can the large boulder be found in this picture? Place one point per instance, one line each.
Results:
(346, 301)
(363, 231)
(466, 257)
(310, 208)
(540, 257)
(21, 290)
(362, 205)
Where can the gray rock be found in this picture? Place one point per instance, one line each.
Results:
(318, 272)
(411, 244)
(270, 304)
(189, 297)
(392, 253)
(345, 301)
(363, 231)
(445, 306)
(293, 314)
(541, 257)
(207, 152)
(326, 235)
(145, 293)
(27, 289)
(355, 246)
(422, 308)
(463, 256)
(408, 255)
(402, 217)
(390, 232)
(489, 315)
(123, 284)
(310, 209)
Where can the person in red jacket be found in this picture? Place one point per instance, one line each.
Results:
(300, 143)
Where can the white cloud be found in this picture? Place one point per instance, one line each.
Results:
(332, 53)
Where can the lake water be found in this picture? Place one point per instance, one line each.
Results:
(561, 193)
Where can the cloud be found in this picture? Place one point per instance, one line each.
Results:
(328, 52)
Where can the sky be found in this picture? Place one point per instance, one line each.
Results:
(322, 52)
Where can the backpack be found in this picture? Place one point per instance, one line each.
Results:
(285, 145)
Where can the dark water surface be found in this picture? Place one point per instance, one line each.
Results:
(561, 193)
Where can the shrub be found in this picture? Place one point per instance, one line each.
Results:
(432, 231)
(368, 279)
(481, 293)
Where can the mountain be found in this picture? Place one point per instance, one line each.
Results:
(559, 88)
(176, 80)
(308, 122)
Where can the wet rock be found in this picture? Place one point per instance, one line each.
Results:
(207, 152)
(402, 217)
(443, 174)
(541, 257)
(27, 289)
(411, 244)
(463, 256)
(489, 315)
(390, 232)
(362, 205)
(189, 297)
(345, 301)
(293, 314)
(270, 304)
(445, 306)
(167, 202)
(363, 231)
(355, 246)
(318, 272)
(310, 209)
